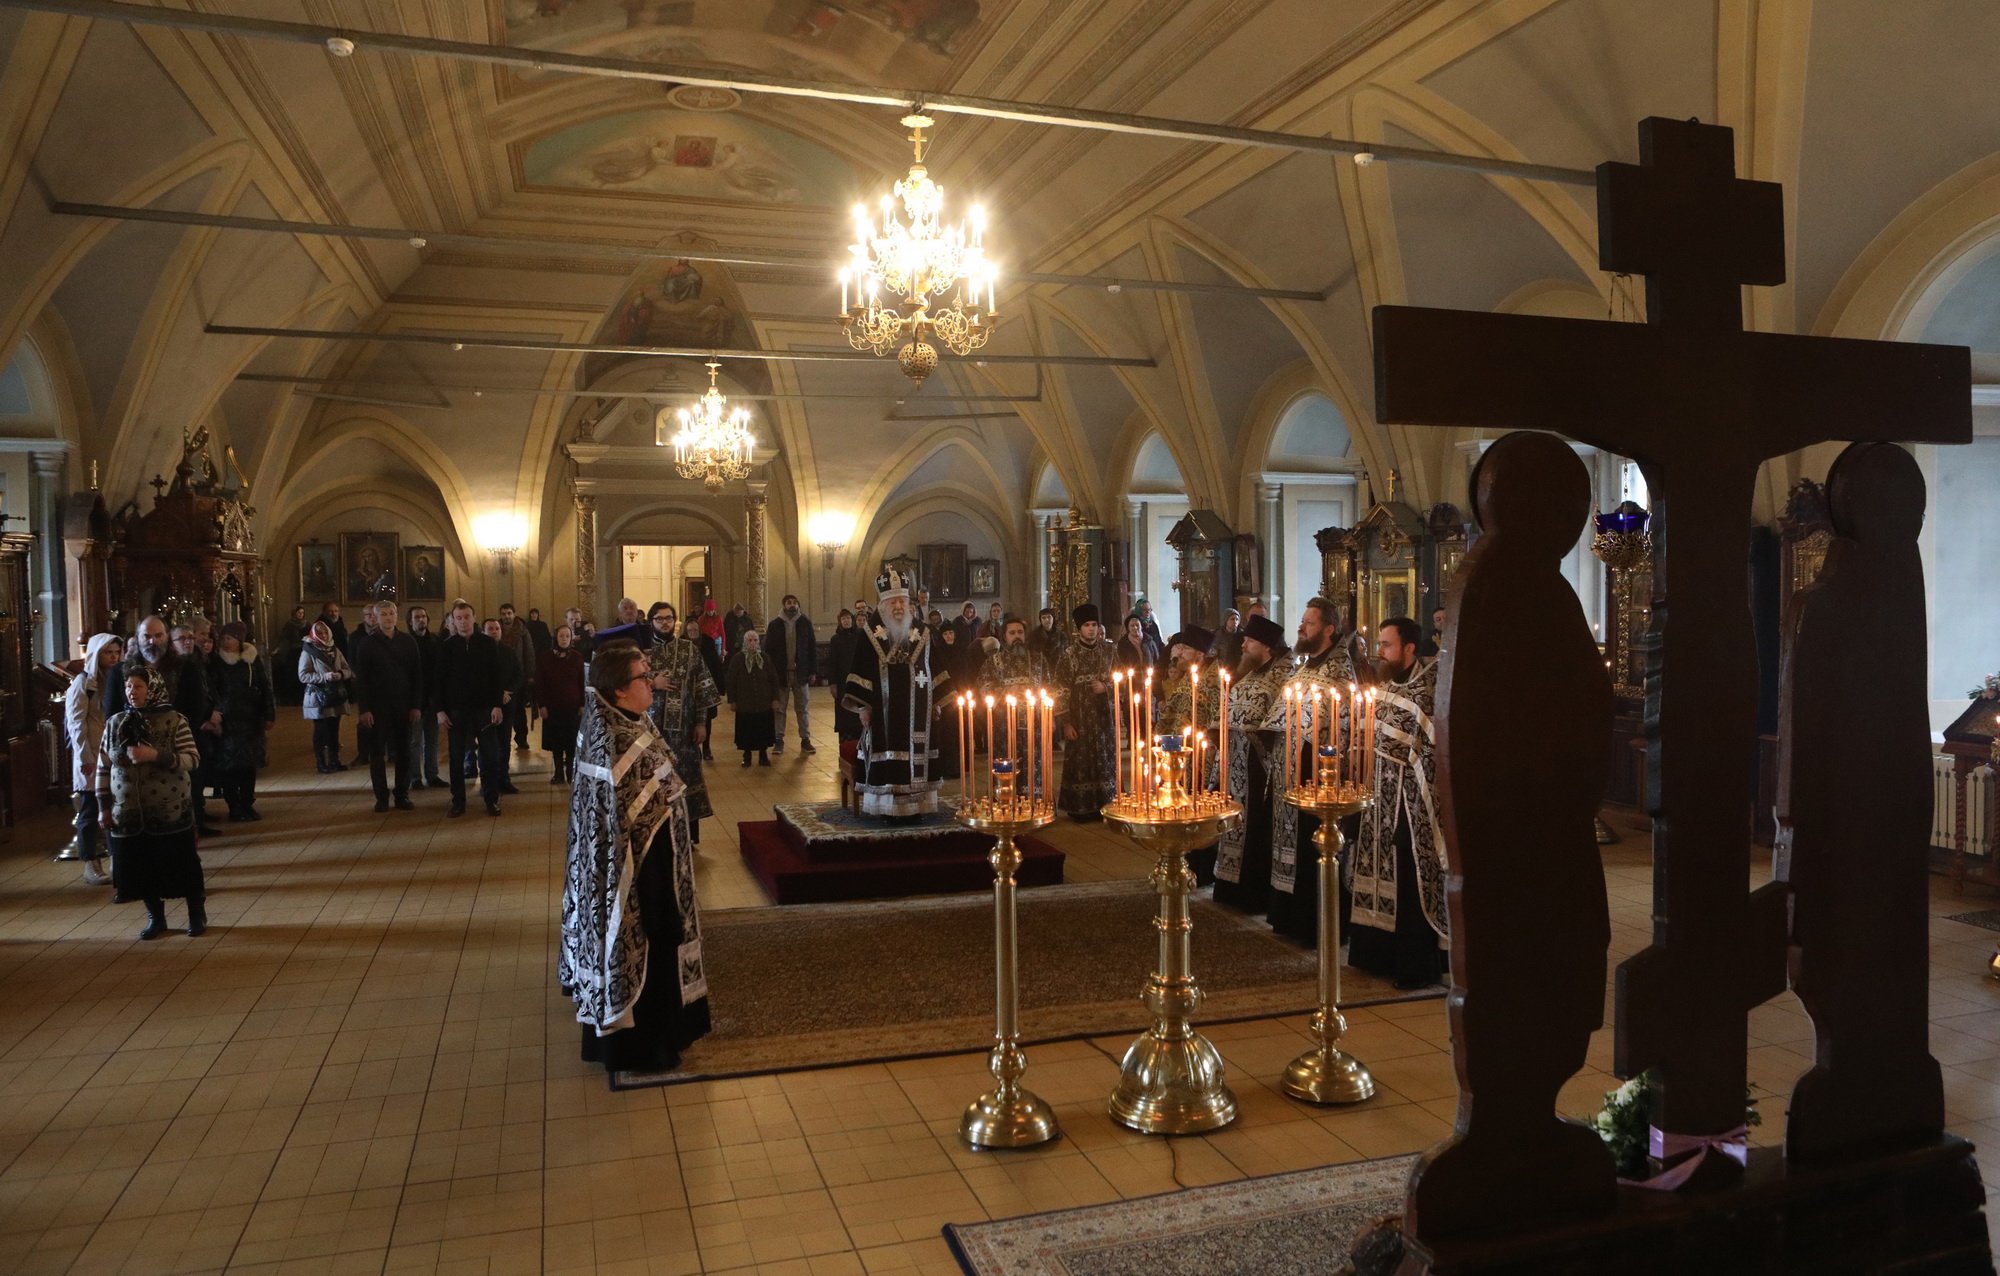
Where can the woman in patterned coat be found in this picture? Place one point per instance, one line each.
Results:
(145, 797)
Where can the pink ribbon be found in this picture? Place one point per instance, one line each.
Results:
(1734, 1144)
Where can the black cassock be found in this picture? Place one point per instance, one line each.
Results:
(897, 752)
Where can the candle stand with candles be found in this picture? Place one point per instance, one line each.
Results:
(1334, 784)
(1010, 798)
(1171, 1079)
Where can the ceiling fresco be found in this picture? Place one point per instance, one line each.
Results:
(686, 154)
(914, 42)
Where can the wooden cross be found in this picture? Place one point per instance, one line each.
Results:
(1700, 404)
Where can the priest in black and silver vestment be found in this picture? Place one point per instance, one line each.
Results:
(894, 692)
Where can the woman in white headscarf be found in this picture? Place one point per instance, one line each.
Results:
(83, 722)
(631, 929)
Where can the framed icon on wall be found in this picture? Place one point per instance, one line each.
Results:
(319, 574)
(985, 574)
(423, 573)
(368, 565)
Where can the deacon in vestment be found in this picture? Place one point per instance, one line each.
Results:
(1243, 857)
(1400, 926)
(684, 697)
(1083, 698)
(631, 929)
(891, 689)
(1321, 659)
(1013, 670)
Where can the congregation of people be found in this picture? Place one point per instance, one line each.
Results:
(165, 721)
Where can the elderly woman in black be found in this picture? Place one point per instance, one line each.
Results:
(145, 797)
(242, 708)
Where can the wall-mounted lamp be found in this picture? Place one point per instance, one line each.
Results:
(831, 532)
(502, 536)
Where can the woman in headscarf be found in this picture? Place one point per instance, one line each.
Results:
(754, 687)
(145, 797)
(631, 929)
(559, 683)
(243, 708)
(83, 721)
(326, 675)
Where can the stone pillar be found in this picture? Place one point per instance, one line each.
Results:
(1271, 548)
(51, 577)
(586, 555)
(1135, 554)
(753, 539)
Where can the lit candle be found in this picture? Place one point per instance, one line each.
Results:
(991, 751)
(843, 289)
(1352, 753)
(1222, 740)
(1117, 727)
(1194, 690)
(1012, 742)
(1149, 701)
(1314, 724)
(1049, 739)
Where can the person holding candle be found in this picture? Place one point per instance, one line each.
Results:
(1400, 926)
(1083, 700)
(1243, 857)
(1321, 662)
(893, 689)
(1014, 668)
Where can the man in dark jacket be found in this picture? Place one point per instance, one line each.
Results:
(329, 616)
(468, 705)
(733, 626)
(791, 647)
(424, 735)
(538, 629)
(389, 692)
(513, 698)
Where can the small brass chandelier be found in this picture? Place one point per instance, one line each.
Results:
(714, 443)
(915, 258)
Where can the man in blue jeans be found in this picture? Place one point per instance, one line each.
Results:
(791, 645)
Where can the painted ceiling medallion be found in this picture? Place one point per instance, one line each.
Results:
(916, 258)
(704, 97)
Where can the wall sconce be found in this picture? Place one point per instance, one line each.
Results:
(831, 532)
(502, 536)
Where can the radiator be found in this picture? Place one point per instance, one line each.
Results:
(1979, 797)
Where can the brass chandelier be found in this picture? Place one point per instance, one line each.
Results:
(915, 258)
(714, 443)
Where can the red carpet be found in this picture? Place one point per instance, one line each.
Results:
(796, 870)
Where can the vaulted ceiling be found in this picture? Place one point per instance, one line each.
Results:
(1877, 119)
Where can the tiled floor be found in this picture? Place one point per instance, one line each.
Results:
(365, 1067)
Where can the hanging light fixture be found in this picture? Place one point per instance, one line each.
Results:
(916, 258)
(714, 443)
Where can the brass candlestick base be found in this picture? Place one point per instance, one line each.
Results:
(74, 851)
(1006, 1116)
(1171, 1080)
(1327, 1074)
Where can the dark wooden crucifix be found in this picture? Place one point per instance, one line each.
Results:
(1700, 404)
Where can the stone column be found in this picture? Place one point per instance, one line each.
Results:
(52, 579)
(753, 539)
(586, 554)
(1271, 547)
(1135, 553)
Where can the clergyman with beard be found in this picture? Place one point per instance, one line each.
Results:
(893, 690)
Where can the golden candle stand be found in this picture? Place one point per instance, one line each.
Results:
(1326, 1073)
(1171, 1080)
(1006, 1116)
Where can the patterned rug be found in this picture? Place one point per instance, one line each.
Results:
(832, 822)
(819, 985)
(1987, 917)
(1296, 1224)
